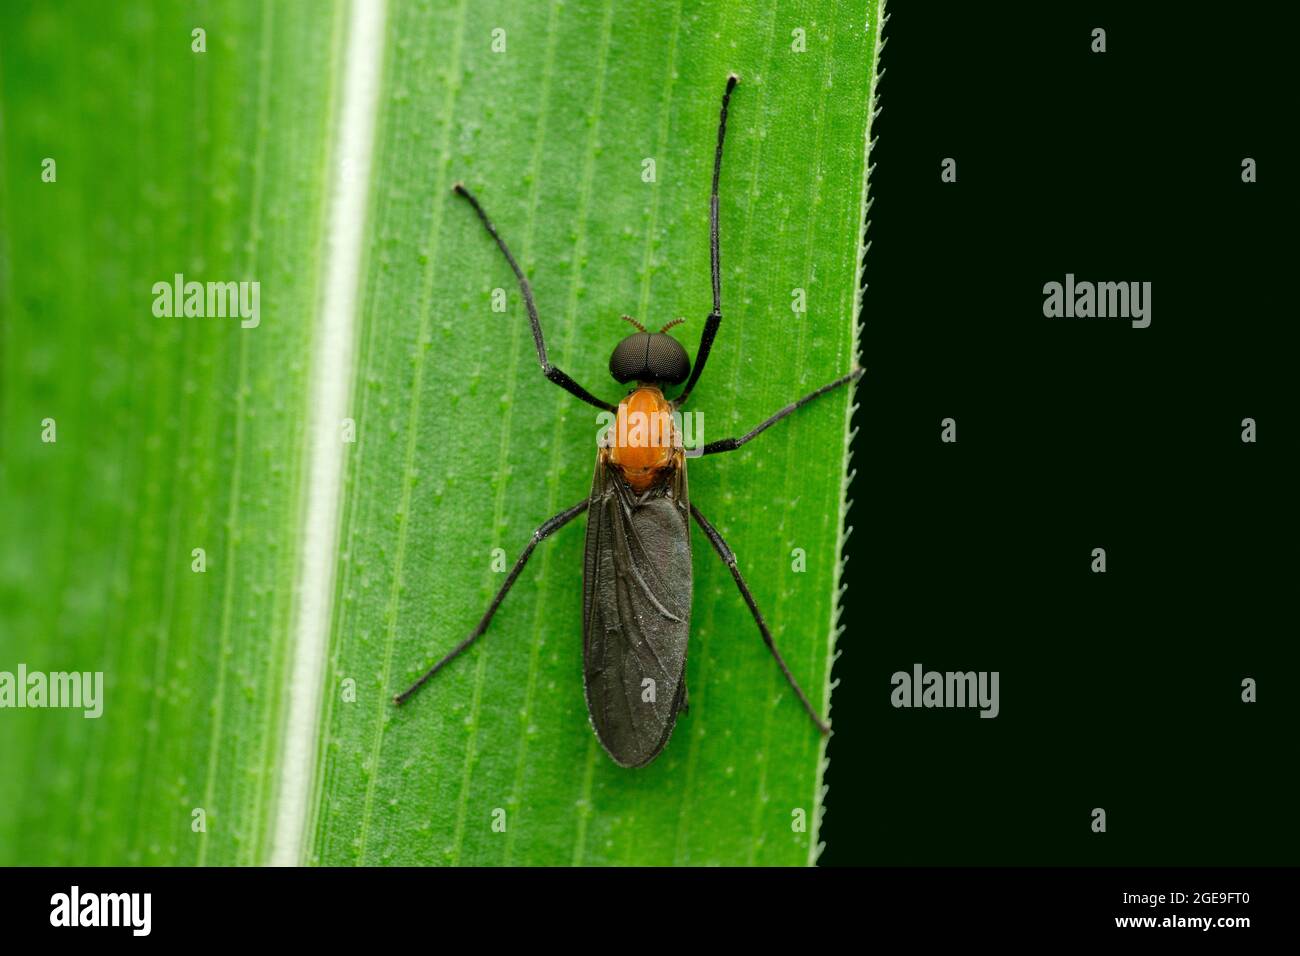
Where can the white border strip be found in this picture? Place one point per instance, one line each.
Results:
(331, 387)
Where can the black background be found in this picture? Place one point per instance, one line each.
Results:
(1119, 690)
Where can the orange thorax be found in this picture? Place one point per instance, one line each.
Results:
(643, 440)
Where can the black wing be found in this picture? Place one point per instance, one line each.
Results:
(636, 612)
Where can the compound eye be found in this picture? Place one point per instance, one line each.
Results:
(667, 360)
(628, 363)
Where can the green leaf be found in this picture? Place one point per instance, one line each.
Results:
(172, 433)
(178, 433)
(467, 448)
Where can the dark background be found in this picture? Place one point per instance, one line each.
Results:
(1119, 690)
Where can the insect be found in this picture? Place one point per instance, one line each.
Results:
(636, 594)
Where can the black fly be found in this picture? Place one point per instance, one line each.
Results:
(637, 584)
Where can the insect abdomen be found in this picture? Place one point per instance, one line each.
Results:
(637, 609)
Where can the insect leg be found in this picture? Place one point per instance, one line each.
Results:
(724, 552)
(552, 373)
(715, 317)
(731, 444)
(549, 526)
